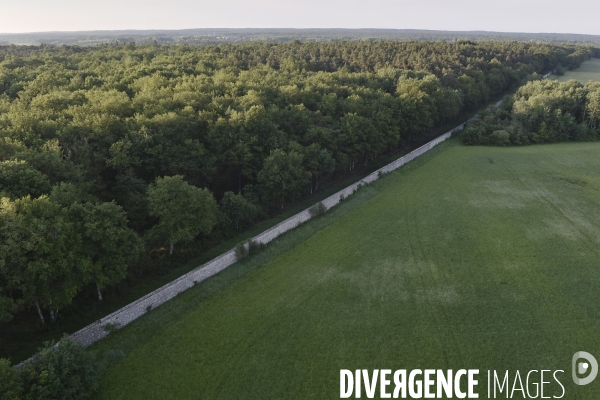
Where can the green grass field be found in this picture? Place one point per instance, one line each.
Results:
(468, 257)
(589, 71)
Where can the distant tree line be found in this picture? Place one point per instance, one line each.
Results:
(114, 154)
(276, 35)
(542, 111)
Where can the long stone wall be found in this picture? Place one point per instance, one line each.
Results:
(136, 309)
(101, 328)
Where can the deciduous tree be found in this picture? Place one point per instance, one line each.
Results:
(183, 211)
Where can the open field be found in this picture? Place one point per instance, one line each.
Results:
(589, 71)
(469, 257)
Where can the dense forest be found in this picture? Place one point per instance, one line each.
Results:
(279, 35)
(117, 155)
(540, 112)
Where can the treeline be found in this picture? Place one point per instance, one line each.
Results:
(114, 155)
(275, 35)
(542, 111)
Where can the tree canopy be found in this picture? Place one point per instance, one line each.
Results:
(183, 211)
(542, 111)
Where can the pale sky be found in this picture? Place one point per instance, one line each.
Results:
(575, 16)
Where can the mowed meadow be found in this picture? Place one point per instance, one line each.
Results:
(468, 257)
(588, 71)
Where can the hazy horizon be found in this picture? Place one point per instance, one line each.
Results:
(288, 28)
(509, 16)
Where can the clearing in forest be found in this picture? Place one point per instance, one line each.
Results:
(589, 71)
